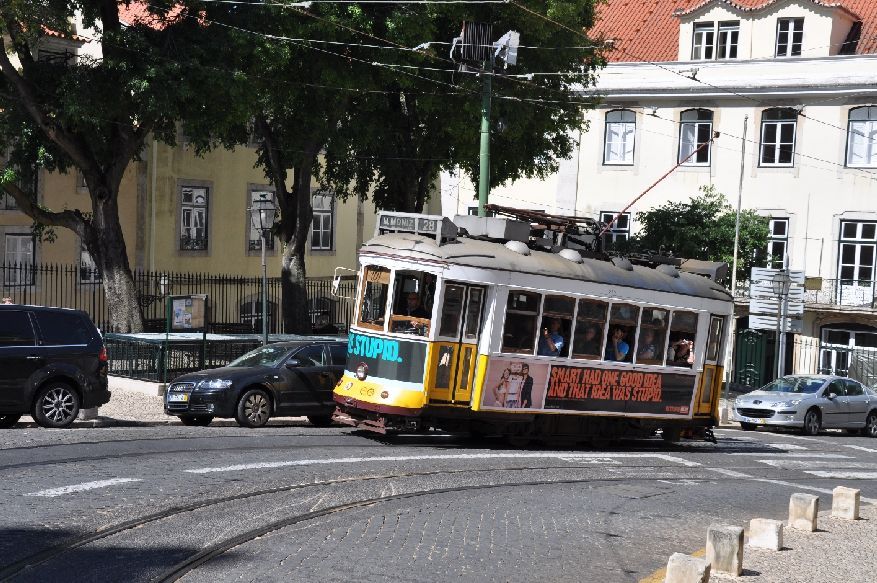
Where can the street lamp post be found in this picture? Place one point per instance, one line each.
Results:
(262, 214)
(782, 282)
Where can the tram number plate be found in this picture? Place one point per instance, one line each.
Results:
(178, 397)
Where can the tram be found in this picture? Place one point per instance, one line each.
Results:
(521, 326)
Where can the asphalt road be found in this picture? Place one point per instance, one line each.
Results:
(296, 503)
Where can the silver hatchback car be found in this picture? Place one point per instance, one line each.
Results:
(810, 403)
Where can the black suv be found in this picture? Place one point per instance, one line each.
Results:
(52, 363)
(286, 378)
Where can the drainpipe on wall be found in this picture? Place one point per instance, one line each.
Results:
(153, 181)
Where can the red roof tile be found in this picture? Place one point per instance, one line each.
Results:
(649, 29)
(137, 13)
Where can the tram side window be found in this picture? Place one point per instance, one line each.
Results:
(683, 339)
(519, 331)
(373, 304)
(622, 326)
(652, 336)
(590, 327)
(555, 330)
(412, 303)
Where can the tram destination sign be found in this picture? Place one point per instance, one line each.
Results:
(614, 391)
(433, 225)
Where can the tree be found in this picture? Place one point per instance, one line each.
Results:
(703, 228)
(94, 115)
(324, 109)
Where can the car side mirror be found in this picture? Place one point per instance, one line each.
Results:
(293, 363)
(830, 396)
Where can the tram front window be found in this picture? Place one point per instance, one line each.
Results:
(373, 304)
(554, 332)
(519, 331)
(620, 339)
(412, 303)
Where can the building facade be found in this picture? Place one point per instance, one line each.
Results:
(789, 87)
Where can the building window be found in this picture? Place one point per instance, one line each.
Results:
(88, 271)
(790, 37)
(861, 136)
(778, 127)
(193, 218)
(858, 241)
(19, 259)
(322, 232)
(777, 243)
(7, 203)
(619, 142)
(695, 130)
(620, 231)
(713, 40)
(255, 237)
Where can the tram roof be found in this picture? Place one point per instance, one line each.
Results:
(497, 257)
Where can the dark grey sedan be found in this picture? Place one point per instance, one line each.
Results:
(810, 403)
(287, 378)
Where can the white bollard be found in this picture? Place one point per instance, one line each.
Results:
(765, 533)
(803, 510)
(687, 569)
(724, 549)
(845, 503)
(87, 414)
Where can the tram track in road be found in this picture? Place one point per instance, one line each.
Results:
(9, 572)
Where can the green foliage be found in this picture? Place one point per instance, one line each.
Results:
(703, 228)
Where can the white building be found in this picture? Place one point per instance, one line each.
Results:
(799, 78)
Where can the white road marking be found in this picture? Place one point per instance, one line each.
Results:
(802, 464)
(596, 460)
(813, 454)
(843, 475)
(786, 446)
(51, 493)
(734, 474)
(574, 457)
(860, 448)
(686, 482)
(778, 434)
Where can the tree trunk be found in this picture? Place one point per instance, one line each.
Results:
(297, 224)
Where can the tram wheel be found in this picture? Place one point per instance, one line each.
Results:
(518, 440)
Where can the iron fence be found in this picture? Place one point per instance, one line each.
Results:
(235, 302)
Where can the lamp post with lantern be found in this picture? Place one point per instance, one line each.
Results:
(782, 283)
(262, 214)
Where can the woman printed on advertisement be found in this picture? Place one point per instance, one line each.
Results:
(502, 388)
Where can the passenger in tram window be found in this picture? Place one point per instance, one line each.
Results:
(413, 307)
(526, 388)
(646, 350)
(617, 349)
(551, 342)
(682, 352)
(589, 342)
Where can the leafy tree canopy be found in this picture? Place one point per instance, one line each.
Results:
(703, 228)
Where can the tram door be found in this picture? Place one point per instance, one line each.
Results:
(454, 355)
(711, 378)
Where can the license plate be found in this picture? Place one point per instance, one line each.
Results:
(178, 397)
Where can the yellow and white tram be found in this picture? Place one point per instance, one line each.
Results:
(475, 325)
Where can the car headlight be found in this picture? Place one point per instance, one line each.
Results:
(215, 384)
(785, 404)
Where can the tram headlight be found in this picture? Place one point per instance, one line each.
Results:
(362, 371)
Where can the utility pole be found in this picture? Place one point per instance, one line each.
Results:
(484, 153)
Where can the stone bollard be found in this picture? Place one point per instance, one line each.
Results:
(803, 510)
(845, 503)
(687, 569)
(724, 549)
(87, 414)
(765, 533)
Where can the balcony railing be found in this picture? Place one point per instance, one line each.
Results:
(831, 292)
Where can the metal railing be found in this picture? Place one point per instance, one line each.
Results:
(235, 303)
(830, 292)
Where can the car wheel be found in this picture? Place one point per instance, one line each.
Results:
(320, 420)
(871, 425)
(196, 420)
(747, 426)
(7, 421)
(254, 409)
(812, 423)
(56, 405)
